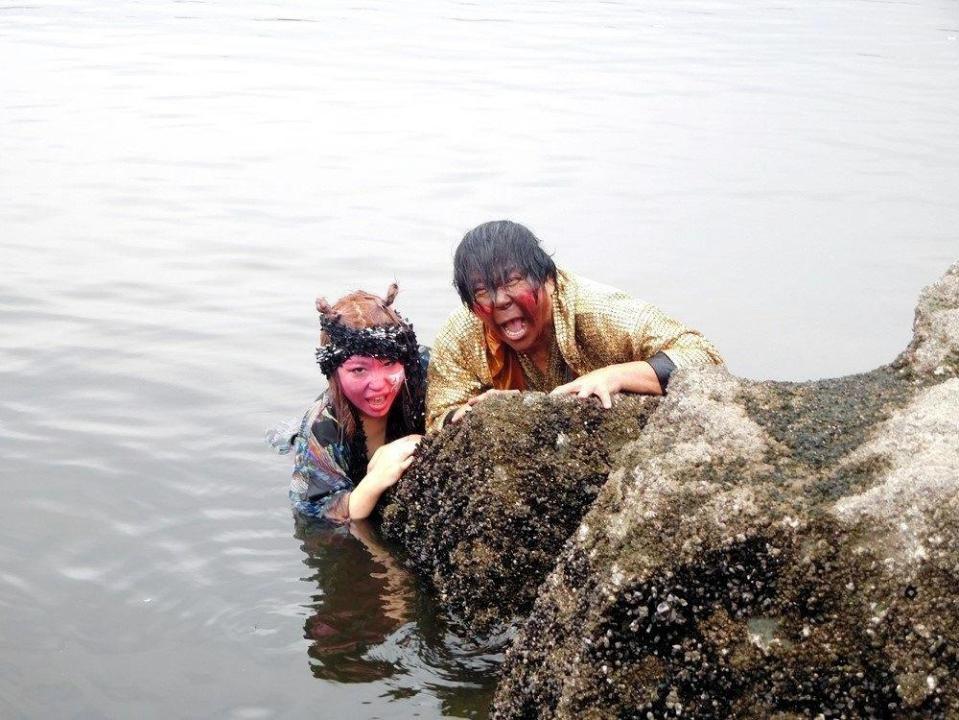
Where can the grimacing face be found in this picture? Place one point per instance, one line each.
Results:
(371, 384)
(518, 312)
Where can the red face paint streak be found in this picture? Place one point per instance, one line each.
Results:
(483, 312)
(528, 301)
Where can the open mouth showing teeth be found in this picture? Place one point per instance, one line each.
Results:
(514, 329)
(377, 402)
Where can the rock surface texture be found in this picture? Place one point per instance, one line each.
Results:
(485, 510)
(735, 550)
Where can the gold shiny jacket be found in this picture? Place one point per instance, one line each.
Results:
(595, 326)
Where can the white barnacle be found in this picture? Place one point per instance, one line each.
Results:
(616, 577)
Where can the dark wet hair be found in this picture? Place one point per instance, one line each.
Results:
(490, 252)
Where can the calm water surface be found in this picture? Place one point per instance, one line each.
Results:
(178, 180)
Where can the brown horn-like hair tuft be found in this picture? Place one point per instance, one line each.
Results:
(323, 307)
(391, 292)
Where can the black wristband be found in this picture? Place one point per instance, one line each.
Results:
(663, 367)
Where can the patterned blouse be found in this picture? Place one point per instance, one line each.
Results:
(321, 484)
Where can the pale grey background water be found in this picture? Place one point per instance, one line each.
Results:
(179, 179)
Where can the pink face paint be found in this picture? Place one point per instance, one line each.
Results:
(371, 384)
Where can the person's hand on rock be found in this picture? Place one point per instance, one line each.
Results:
(390, 461)
(468, 406)
(603, 383)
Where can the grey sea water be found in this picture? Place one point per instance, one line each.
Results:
(178, 180)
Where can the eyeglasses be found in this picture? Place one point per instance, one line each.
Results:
(515, 285)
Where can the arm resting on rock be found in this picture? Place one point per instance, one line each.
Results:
(655, 333)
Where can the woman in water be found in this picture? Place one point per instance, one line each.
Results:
(359, 436)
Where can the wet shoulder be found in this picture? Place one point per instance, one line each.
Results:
(591, 291)
(460, 321)
(460, 334)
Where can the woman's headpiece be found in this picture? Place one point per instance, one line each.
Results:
(391, 338)
(390, 342)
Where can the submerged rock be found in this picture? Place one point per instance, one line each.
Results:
(757, 550)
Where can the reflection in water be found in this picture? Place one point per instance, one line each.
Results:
(364, 596)
(372, 622)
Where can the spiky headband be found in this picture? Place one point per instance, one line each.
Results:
(391, 342)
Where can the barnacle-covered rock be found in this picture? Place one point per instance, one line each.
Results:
(486, 508)
(763, 550)
(934, 350)
(757, 550)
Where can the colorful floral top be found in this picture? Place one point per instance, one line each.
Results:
(321, 484)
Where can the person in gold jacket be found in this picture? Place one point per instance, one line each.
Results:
(527, 325)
